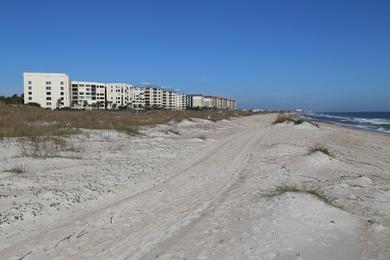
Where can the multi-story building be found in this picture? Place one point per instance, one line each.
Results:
(169, 99)
(210, 101)
(136, 99)
(50, 90)
(153, 97)
(54, 90)
(195, 101)
(200, 101)
(181, 101)
(117, 95)
(88, 94)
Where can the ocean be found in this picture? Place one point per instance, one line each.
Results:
(371, 121)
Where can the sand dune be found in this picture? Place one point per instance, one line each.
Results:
(201, 190)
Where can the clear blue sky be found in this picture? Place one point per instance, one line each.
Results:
(321, 55)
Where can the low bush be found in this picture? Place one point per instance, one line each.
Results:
(290, 118)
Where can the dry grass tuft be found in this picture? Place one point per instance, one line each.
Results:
(321, 149)
(290, 118)
(316, 192)
(202, 137)
(18, 169)
(175, 132)
(47, 147)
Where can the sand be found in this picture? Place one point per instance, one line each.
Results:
(200, 190)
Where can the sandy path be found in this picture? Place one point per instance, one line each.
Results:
(219, 206)
(141, 221)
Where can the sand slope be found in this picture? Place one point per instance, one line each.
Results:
(203, 190)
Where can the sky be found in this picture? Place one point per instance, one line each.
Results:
(319, 55)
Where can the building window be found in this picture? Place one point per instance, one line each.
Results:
(30, 93)
(62, 93)
(48, 82)
(62, 88)
(48, 93)
(48, 98)
(29, 87)
(48, 88)
(29, 98)
(62, 83)
(62, 98)
(30, 82)
(48, 103)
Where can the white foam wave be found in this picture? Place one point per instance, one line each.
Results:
(374, 121)
(371, 124)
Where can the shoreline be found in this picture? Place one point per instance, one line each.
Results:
(358, 127)
(350, 127)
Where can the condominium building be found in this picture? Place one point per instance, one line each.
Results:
(168, 99)
(200, 101)
(153, 97)
(136, 99)
(50, 90)
(88, 94)
(117, 95)
(195, 101)
(181, 101)
(210, 101)
(55, 90)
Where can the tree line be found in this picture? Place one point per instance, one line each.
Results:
(12, 100)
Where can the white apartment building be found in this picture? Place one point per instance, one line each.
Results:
(181, 101)
(195, 101)
(209, 102)
(50, 90)
(200, 101)
(117, 95)
(88, 94)
(136, 98)
(153, 97)
(168, 99)
(54, 90)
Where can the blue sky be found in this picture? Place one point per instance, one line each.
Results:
(318, 55)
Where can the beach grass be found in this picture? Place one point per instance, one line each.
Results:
(290, 118)
(321, 149)
(28, 121)
(18, 169)
(316, 192)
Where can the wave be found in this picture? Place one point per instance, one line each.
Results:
(374, 121)
(379, 122)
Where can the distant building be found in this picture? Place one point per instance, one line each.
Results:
(117, 95)
(50, 90)
(153, 97)
(136, 98)
(195, 101)
(88, 94)
(55, 90)
(181, 101)
(200, 101)
(168, 99)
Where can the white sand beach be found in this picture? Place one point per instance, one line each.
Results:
(200, 190)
